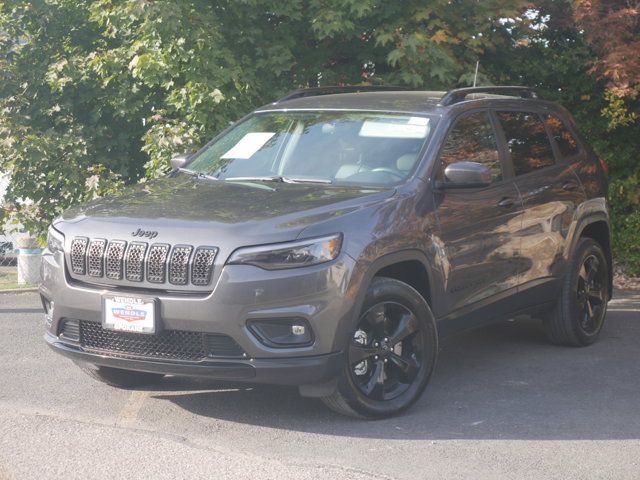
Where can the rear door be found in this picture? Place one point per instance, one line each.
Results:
(550, 192)
(478, 226)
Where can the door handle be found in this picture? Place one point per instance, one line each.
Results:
(506, 202)
(570, 185)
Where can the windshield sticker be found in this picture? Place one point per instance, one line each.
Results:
(249, 145)
(413, 129)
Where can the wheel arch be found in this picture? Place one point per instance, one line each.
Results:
(409, 266)
(597, 227)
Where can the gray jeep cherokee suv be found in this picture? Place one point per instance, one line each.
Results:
(330, 239)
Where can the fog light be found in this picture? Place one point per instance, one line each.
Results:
(282, 332)
(298, 329)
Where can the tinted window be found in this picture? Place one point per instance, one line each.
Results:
(564, 139)
(472, 139)
(527, 141)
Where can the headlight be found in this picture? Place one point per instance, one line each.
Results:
(290, 255)
(55, 241)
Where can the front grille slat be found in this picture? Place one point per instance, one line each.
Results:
(167, 344)
(158, 263)
(114, 259)
(78, 259)
(95, 257)
(202, 265)
(179, 264)
(134, 261)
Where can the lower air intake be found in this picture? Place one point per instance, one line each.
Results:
(168, 344)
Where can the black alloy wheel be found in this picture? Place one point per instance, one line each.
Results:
(390, 353)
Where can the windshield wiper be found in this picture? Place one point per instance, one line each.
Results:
(197, 174)
(279, 179)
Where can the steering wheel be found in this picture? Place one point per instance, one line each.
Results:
(390, 171)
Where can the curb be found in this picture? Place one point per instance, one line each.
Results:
(19, 290)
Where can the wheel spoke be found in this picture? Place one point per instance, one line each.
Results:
(375, 381)
(595, 294)
(407, 325)
(583, 273)
(358, 353)
(376, 318)
(408, 366)
(589, 308)
(592, 270)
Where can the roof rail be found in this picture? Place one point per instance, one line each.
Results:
(459, 94)
(317, 91)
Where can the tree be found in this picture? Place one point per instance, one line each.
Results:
(99, 93)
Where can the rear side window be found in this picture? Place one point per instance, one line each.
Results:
(472, 139)
(567, 144)
(527, 141)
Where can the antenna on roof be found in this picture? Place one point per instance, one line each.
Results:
(475, 77)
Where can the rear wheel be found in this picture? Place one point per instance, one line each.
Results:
(117, 377)
(578, 316)
(391, 353)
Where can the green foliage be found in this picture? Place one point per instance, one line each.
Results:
(98, 94)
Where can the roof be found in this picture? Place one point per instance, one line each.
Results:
(402, 101)
(396, 101)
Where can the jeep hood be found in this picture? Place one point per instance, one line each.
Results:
(185, 209)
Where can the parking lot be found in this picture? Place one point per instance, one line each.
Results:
(503, 404)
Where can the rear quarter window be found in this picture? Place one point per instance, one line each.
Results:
(566, 142)
(527, 141)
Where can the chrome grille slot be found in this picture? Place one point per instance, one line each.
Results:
(179, 264)
(114, 259)
(157, 262)
(134, 261)
(95, 257)
(202, 265)
(78, 259)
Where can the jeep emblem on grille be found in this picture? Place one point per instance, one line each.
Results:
(145, 233)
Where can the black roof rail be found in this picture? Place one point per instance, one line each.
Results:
(459, 94)
(317, 91)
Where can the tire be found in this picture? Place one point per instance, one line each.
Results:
(117, 377)
(382, 377)
(580, 310)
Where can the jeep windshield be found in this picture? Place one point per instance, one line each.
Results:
(356, 148)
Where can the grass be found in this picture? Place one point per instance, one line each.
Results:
(9, 279)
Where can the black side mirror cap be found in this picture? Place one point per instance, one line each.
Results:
(465, 175)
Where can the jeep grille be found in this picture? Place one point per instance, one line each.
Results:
(139, 261)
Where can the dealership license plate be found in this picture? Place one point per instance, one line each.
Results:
(129, 314)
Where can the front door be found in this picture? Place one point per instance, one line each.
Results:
(478, 227)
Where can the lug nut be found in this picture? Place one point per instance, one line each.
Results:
(375, 357)
(386, 360)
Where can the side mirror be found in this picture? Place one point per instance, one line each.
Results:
(465, 175)
(179, 160)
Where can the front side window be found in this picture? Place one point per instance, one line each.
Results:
(326, 146)
(527, 141)
(472, 139)
(567, 144)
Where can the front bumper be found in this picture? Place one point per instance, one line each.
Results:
(277, 371)
(322, 295)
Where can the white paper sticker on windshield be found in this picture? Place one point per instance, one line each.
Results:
(412, 129)
(248, 145)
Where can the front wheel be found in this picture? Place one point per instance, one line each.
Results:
(390, 355)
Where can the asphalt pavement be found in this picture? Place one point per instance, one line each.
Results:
(502, 404)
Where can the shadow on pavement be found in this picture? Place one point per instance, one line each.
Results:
(504, 381)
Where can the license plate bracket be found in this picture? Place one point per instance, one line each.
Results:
(129, 313)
